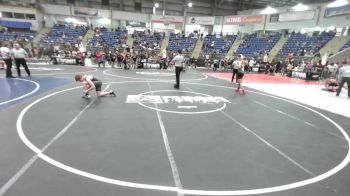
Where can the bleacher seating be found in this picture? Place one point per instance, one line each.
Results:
(17, 36)
(107, 38)
(177, 42)
(65, 34)
(253, 46)
(346, 45)
(143, 39)
(220, 45)
(312, 44)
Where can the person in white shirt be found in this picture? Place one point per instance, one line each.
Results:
(251, 64)
(344, 77)
(178, 62)
(20, 54)
(236, 65)
(240, 74)
(266, 58)
(5, 53)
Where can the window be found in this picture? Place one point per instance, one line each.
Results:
(7, 14)
(19, 15)
(30, 16)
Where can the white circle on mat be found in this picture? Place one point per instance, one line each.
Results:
(76, 171)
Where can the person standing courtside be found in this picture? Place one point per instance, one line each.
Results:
(308, 69)
(344, 77)
(178, 61)
(6, 56)
(20, 54)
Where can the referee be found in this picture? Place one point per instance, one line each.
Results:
(20, 54)
(236, 66)
(178, 61)
(6, 56)
(344, 77)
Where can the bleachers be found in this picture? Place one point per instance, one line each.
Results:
(17, 36)
(177, 42)
(220, 45)
(312, 44)
(346, 45)
(253, 46)
(143, 39)
(107, 38)
(65, 34)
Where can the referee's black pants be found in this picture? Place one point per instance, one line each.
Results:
(8, 63)
(234, 72)
(22, 62)
(342, 82)
(177, 73)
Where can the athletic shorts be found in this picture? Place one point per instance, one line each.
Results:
(240, 75)
(98, 85)
(333, 84)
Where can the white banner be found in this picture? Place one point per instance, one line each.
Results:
(167, 19)
(56, 9)
(130, 16)
(104, 14)
(295, 16)
(85, 11)
(200, 20)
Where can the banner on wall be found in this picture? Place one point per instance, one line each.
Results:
(56, 9)
(238, 20)
(293, 16)
(195, 20)
(85, 11)
(133, 23)
(167, 19)
(337, 11)
(163, 26)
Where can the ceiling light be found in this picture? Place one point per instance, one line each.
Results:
(269, 10)
(156, 5)
(300, 7)
(338, 3)
(189, 4)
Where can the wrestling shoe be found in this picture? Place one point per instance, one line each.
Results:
(112, 93)
(86, 97)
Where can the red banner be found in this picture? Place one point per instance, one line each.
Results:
(237, 20)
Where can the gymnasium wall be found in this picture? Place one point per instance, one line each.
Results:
(54, 13)
(35, 23)
(319, 20)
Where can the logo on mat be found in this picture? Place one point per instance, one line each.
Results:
(184, 102)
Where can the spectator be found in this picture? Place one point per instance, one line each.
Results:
(252, 63)
(308, 69)
(290, 55)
